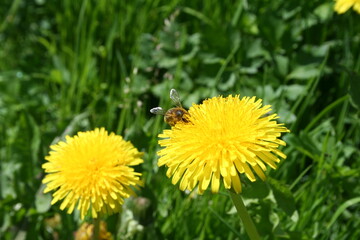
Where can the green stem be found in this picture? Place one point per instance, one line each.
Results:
(244, 216)
(96, 233)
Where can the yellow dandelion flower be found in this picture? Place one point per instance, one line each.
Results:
(341, 6)
(224, 137)
(92, 170)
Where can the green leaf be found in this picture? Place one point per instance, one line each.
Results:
(282, 64)
(305, 72)
(324, 11)
(354, 89)
(228, 84)
(294, 91)
(305, 144)
(341, 209)
(283, 196)
(7, 186)
(42, 201)
(257, 189)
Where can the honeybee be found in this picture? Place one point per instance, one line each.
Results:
(173, 115)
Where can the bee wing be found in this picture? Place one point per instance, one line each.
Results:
(157, 111)
(175, 97)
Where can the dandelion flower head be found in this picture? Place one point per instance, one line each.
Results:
(341, 6)
(92, 170)
(225, 137)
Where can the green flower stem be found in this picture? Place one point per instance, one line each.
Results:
(244, 216)
(96, 233)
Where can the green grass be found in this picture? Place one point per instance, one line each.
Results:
(68, 66)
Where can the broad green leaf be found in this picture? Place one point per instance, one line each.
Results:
(305, 72)
(257, 189)
(283, 196)
(42, 201)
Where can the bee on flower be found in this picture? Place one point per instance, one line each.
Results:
(173, 115)
(227, 137)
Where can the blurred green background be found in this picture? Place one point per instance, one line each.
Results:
(68, 66)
